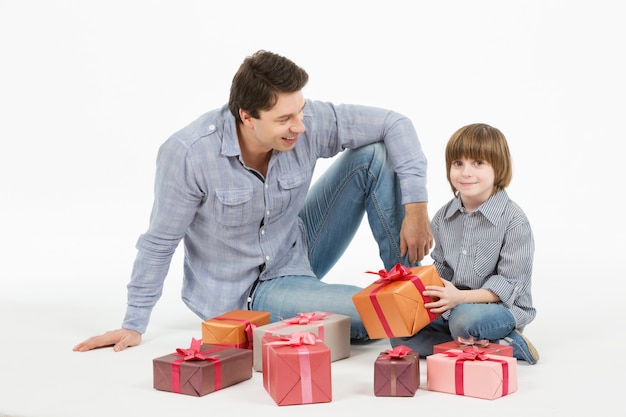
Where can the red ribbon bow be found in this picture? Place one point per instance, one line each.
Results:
(397, 352)
(306, 318)
(300, 338)
(471, 342)
(395, 273)
(193, 352)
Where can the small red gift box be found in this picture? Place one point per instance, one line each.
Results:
(234, 328)
(471, 373)
(393, 306)
(397, 373)
(296, 369)
(201, 369)
(470, 343)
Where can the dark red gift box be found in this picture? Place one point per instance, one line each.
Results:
(397, 373)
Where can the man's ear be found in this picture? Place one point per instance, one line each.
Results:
(245, 117)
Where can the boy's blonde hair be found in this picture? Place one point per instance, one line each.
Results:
(483, 142)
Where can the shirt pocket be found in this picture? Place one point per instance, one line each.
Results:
(233, 206)
(486, 255)
(293, 188)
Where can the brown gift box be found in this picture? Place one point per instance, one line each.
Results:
(332, 329)
(393, 306)
(233, 328)
(479, 345)
(397, 373)
(201, 369)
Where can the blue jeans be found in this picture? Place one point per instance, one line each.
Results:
(490, 321)
(361, 181)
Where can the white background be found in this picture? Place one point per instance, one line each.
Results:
(89, 90)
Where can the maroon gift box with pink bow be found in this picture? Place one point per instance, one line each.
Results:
(470, 343)
(201, 369)
(296, 369)
(471, 373)
(332, 329)
(397, 373)
(393, 306)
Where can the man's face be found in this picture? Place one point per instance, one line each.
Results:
(279, 127)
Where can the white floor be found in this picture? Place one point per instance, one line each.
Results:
(578, 372)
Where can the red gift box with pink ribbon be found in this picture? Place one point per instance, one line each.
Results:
(333, 329)
(201, 369)
(393, 305)
(397, 373)
(234, 328)
(296, 369)
(471, 373)
(462, 343)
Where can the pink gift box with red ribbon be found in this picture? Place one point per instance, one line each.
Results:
(393, 306)
(472, 344)
(332, 329)
(201, 369)
(472, 374)
(296, 369)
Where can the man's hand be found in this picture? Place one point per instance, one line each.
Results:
(416, 238)
(120, 339)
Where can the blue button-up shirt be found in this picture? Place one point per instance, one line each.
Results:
(491, 248)
(231, 221)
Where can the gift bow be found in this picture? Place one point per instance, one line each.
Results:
(395, 273)
(397, 352)
(306, 318)
(193, 352)
(300, 338)
(469, 355)
(467, 342)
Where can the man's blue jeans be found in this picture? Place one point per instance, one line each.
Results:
(491, 321)
(360, 181)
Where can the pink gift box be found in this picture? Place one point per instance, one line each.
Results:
(332, 329)
(472, 374)
(483, 345)
(296, 369)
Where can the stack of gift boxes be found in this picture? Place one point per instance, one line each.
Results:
(294, 355)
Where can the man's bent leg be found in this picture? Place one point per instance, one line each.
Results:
(288, 296)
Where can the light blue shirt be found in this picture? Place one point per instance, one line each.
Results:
(237, 226)
(491, 248)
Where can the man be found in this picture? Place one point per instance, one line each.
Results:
(234, 186)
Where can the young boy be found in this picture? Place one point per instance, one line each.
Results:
(483, 250)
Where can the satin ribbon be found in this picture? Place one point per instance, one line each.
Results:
(397, 352)
(248, 330)
(298, 340)
(398, 273)
(476, 355)
(470, 342)
(193, 353)
(302, 319)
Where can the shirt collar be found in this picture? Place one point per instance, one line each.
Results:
(491, 209)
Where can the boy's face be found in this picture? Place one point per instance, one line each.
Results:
(473, 179)
(279, 127)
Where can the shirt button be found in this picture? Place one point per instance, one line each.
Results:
(267, 258)
(262, 231)
(464, 252)
(211, 127)
(267, 212)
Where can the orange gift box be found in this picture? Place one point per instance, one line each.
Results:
(393, 306)
(234, 328)
(470, 343)
(472, 374)
(296, 369)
